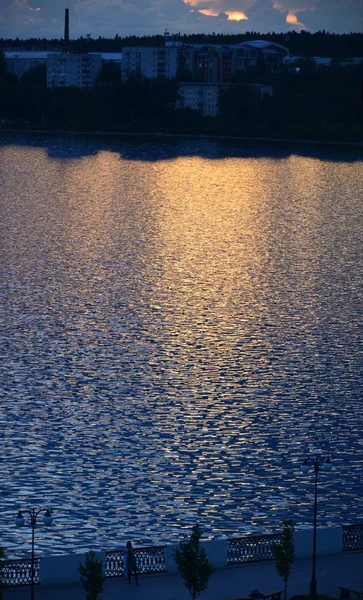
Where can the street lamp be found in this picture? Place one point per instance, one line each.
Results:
(20, 521)
(316, 463)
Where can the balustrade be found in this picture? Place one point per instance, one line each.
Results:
(150, 559)
(352, 537)
(251, 548)
(19, 572)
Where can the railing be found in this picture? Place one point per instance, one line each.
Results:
(251, 548)
(19, 572)
(352, 537)
(150, 559)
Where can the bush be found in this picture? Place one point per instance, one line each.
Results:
(193, 564)
(92, 577)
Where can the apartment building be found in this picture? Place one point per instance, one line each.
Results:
(210, 64)
(204, 97)
(218, 64)
(65, 69)
(150, 62)
(19, 63)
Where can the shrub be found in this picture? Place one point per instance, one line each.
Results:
(193, 564)
(92, 577)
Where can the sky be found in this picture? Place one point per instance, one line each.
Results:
(106, 18)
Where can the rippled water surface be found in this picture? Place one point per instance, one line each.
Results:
(178, 320)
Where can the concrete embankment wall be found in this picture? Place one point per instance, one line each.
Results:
(62, 569)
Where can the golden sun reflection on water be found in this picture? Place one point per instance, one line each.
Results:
(211, 229)
(184, 324)
(211, 225)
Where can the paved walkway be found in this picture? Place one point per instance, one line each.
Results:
(224, 584)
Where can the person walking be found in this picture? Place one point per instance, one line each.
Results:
(130, 563)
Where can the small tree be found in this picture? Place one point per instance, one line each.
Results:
(193, 564)
(284, 552)
(92, 577)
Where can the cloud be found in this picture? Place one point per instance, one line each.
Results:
(45, 18)
(338, 16)
(234, 10)
(29, 18)
(263, 14)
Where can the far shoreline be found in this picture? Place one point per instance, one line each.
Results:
(122, 134)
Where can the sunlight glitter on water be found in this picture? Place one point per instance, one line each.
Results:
(178, 320)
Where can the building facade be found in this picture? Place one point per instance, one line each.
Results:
(19, 63)
(149, 62)
(72, 69)
(204, 97)
(214, 64)
(218, 64)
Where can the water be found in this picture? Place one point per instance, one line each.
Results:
(178, 320)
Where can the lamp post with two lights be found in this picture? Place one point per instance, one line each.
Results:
(20, 521)
(316, 463)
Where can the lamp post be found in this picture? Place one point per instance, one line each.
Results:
(20, 521)
(316, 463)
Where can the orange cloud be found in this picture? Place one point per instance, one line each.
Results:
(209, 12)
(294, 7)
(219, 8)
(291, 18)
(235, 15)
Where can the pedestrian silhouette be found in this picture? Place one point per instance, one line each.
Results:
(130, 563)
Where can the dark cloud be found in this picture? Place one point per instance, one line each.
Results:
(44, 18)
(340, 16)
(263, 14)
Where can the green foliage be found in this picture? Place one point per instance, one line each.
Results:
(35, 76)
(184, 75)
(6, 78)
(92, 577)
(193, 564)
(284, 552)
(109, 73)
(239, 108)
(2, 63)
(304, 43)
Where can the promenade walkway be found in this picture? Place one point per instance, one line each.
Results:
(225, 584)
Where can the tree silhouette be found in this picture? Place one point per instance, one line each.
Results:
(193, 564)
(92, 577)
(284, 552)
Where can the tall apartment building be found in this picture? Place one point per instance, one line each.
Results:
(150, 62)
(67, 69)
(217, 64)
(211, 64)
(20, 62)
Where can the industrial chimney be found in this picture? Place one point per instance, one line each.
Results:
(66, 26)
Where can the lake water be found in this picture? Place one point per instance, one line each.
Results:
(179, 319)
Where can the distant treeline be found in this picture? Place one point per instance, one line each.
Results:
(318, 103)
(321, 43)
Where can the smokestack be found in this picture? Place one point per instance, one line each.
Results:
(66, 26)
